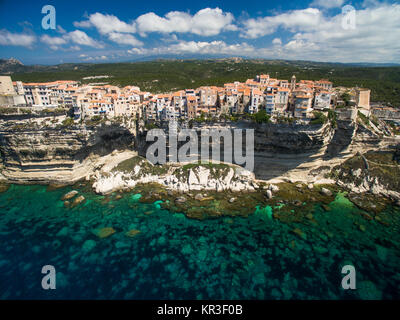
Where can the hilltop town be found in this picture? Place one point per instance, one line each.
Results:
(294, 100)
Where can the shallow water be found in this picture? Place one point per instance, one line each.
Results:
(174, 257)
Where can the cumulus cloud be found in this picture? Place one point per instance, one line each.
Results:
(198, 47)
(80, 37)
(76, 37)
(53, 42)
(206, 22)
(16, 39)
(105, 24)
(93, 58)
(122, 38)
(375, 37)
(296, 20)
(327, 4)
(277, 41)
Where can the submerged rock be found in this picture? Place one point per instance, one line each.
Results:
(104, 232)
(88, 245)
(132, 233)
(326, 192)
(4, 187)
(69, 195)
(78, 200)
(300, 233)
(326, 207)
(368, 291)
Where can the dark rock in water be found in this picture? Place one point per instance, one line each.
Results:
(326, 207)
(4, 187)
(55, 186)
(88, 245)
(180, 200)
(326, 192)
(118, 197)
(69, 195)
(368, 291)
(398, 203)
(300, 233)
(297, 203)
(56, 244)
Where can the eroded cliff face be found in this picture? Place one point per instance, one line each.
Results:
(53, 153)
(287, 152)
(39, 152)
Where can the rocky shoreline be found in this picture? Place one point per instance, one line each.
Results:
(106, 156)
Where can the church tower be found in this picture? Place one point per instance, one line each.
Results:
(293, 83)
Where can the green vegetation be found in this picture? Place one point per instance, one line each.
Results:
(261, 117)
(68, 122)
(319, 118)
(363, 118)
(332, 118)
(284, 119)
(164, 76)
(95, 120)
(8, 110)
(128, 166)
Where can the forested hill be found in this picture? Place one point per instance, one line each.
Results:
(167, 75)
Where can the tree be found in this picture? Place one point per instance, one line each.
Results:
(261, 116)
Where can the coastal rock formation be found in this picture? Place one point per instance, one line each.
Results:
(41, 151)
(189, 177)
(44, 150)
(375, 172)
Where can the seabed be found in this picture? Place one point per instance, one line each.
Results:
(141, 244)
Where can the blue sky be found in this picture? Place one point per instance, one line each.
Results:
(110, 31)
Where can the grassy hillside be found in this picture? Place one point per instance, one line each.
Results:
(167, 75)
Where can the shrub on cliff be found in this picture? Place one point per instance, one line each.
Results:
(261, 117)
(68, 122)
(319, 118)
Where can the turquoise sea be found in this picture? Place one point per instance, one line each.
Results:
(174, 257)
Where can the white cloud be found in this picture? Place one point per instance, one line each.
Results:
(16, 39)
(53, 42)
(198, 47)
(80, 37)
(94, 58)
(374, 39)
(296, 20)
(105, 24)
(277, 41)
(122, 38)
(327, 4)
(206, 22)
